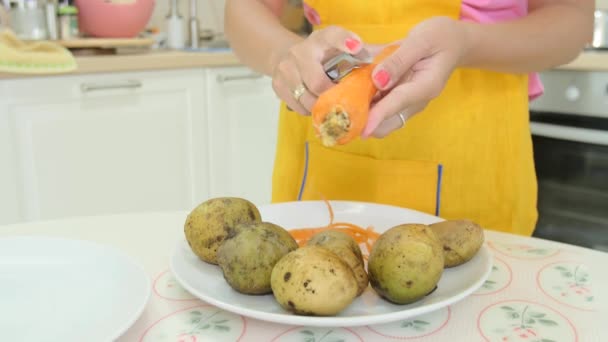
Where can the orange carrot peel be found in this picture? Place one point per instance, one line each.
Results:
(362, 236)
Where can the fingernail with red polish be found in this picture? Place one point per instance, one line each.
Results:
(382, 78)
(352, 44)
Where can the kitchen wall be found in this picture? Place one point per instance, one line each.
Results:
(210, 13)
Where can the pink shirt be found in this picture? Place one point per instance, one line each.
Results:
(489, 11)
(481, 11)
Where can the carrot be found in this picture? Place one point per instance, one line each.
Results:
(340, 113)
(363, 236)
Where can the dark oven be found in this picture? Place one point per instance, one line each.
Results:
(569, 127)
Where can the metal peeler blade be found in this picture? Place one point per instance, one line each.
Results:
(341, 65)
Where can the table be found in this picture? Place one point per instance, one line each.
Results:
(538, 290)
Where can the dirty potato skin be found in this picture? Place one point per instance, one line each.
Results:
(405, 263)
(344, 246)
(313, 281)
(461, 240)
(248, 256)
(212, 221)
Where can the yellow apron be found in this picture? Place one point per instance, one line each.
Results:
(467, 155)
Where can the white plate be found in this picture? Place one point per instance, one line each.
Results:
(207, 283)
(54, 289)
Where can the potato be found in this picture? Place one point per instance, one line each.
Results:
(344, 246)
(331, 236)
(313, 281)
(248, 257)
(212, 221)
(405, 263)
(461, 240)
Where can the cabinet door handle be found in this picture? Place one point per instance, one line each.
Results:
(251, 76)
(130, 84)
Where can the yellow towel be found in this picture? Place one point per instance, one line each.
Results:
(17, 56)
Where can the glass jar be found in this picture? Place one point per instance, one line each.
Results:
(28, 19)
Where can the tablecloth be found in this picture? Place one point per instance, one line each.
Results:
(538, 290)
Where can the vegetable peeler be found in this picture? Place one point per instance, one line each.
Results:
(341, 65)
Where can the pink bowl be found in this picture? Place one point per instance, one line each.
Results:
(109, 19)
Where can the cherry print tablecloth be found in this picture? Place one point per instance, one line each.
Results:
(538, 290)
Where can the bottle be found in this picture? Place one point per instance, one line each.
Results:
(51, 20)
(68, 22)
(193, 25)
(175, 27)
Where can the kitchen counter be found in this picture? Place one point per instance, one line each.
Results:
(588, 60)
(156, 60)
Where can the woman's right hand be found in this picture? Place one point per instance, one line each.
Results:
(302, 66)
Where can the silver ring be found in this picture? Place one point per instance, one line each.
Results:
(299, 91)
(402, 119)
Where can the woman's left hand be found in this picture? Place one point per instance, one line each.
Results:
(415, 74)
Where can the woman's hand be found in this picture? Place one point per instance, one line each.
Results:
(302, 65)
(416, 73)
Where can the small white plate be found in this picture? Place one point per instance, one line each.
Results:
(207, 283)
(54, 289)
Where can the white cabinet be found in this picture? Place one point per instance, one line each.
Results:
(10, 208)
(242, 111)
(126, 142)
(102, 144)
